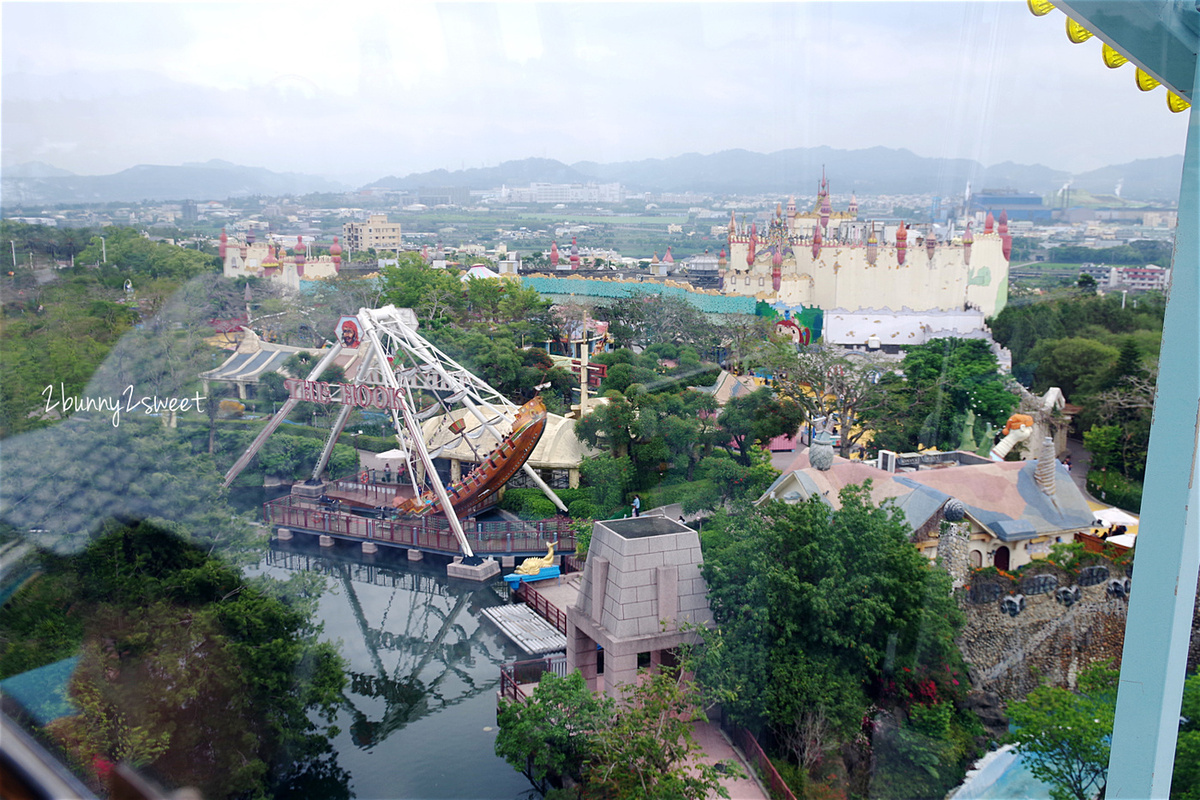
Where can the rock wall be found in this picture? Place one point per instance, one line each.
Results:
(1046, 642)
(953, 551)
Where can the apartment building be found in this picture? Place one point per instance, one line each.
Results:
(376, 232)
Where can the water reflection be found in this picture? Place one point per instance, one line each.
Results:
(422, 677)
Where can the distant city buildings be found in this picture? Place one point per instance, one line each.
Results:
(1016, 205)
(375, 233)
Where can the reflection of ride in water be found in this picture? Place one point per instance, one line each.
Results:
(480, 489)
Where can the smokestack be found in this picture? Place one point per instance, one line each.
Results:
(1044, 473)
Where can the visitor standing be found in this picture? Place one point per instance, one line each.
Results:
(637, 505)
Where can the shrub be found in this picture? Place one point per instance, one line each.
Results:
(582, 509)
(538, 508)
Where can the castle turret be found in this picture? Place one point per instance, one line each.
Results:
(554, 255)
(968, 240)
(335, 251)
(299, 256)
(901, 243)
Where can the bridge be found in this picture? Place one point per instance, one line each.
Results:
(420, 534)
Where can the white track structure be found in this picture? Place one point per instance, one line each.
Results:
(427, 382)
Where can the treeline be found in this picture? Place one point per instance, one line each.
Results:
(1103, 353)
(185, 668)
(834, 643)
(1139, 252)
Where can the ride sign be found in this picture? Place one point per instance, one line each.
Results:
(348, 394)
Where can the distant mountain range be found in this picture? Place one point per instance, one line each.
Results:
(877, 170)
(39, 183)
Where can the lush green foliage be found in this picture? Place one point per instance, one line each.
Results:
(566, 737)
(167, 635)
(1065, 735)
(1185, 779)
(1023, 328)
(944, 381)
(820, 613)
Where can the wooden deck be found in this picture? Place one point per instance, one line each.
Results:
(428, 534)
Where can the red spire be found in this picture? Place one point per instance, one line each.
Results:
(554, 255)
(989, 223)
(668, 258)
(1003, 222)
(901, 243)
(335, 250)
(224, 243)
(299, 258)
(574, 254)
(968, 240)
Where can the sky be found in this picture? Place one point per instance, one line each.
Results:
(355, 91)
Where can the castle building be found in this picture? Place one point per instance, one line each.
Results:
(834, 261)
(252, 259)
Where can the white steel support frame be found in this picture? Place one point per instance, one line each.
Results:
(430, 369)
(371, 331)
(1162, 37)
(279, 417)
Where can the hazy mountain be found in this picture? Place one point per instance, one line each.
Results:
(876, 170)
(35, 169)
(519, 173)
(211, 180)
(1144, 179)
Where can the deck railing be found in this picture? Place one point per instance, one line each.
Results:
(538, 602)
(514, 674)
(745, 740)
(383, 492)
(425, 533)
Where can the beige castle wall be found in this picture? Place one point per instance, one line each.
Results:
(841, 277)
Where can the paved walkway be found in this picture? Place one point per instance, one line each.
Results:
(718, 748)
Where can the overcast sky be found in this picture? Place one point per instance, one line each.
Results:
(358, 90)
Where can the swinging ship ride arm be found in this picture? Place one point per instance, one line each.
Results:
(481, 487)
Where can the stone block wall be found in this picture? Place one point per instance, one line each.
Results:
(953, 548)
(1045, 642)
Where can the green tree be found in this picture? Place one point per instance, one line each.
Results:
(825, 382)
(167, 635)
(1103, 442)
(648, 752)
(563, 736)
(1185, 779)
(1065, 735)
(949, 377)
(817, 611)
(548, 737)
(1075, 365)
(757, 418)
